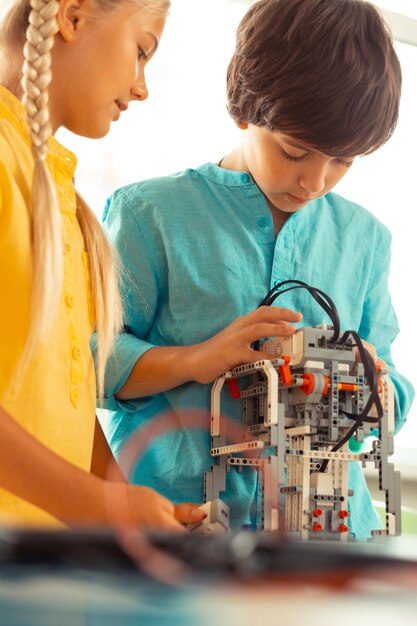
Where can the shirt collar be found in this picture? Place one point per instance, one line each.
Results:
(222, 176)
(13, 110)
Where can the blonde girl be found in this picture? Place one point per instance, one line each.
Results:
(77, 64)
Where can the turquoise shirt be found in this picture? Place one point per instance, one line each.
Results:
(200, 250)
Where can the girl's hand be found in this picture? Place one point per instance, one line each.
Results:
(143, 508)
(372, 351)
(232, 346)
(189, 513)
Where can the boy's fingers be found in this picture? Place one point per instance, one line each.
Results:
(274, 313)
(259, 331)
(369, 348)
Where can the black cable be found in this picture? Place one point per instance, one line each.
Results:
(319, 296)
(374, 399)
(371, 375)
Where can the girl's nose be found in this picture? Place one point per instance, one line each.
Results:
(139, 90)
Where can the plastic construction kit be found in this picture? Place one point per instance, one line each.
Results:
(299, 412)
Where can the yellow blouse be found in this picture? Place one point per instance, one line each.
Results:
(56, 402)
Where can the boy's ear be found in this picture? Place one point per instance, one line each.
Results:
(242, 125)
(71, 14)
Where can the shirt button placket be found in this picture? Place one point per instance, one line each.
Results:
(263, 222)
(265, 230)
(69, 301)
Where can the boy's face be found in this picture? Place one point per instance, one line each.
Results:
(288, 172)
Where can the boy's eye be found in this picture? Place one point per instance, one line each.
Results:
(343, 162)
(295, 159)
(291, 157)
(141, 54)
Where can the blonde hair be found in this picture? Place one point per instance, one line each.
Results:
(47, 261)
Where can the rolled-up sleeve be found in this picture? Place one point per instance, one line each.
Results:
(139, 287)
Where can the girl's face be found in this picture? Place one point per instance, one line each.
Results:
(288, 172)
(98, 65)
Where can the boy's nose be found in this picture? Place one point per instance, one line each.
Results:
(313, 180)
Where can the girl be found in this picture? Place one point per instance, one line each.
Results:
(83, 63)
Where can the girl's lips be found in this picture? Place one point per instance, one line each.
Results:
(122, 106)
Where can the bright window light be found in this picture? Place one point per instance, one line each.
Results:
(404, 7)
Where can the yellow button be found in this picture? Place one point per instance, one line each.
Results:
(67, 248)
(75, 394)
(69, 300)
(76, 353)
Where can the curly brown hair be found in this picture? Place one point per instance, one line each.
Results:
(323, 71)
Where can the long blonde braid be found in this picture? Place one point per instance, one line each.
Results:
(47, 263)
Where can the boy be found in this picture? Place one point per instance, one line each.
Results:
(312, 84)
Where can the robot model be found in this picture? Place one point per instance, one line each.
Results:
(299, 412)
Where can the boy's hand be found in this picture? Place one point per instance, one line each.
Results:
(372, 351)
(232, 346)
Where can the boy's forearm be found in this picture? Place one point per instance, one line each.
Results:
(158, 370)
(161, 369)
(33, 472)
